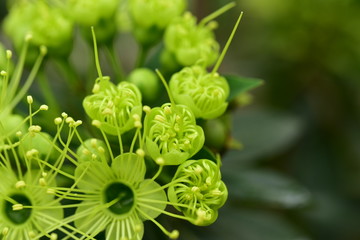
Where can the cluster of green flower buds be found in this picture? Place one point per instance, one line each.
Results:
(46, 21)
(100, 14)
(190, 43)
(159, 13)
(130, 166)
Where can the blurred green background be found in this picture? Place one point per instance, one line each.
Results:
(298, 175)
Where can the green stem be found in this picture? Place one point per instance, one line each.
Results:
(115, 62)
(143, 52)
(48, 93)
(217, 13)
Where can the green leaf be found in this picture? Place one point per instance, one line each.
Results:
(234, 223)
(240, 85)
(263, 134)
(266, 187)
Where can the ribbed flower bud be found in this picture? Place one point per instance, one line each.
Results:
(150, 18)
(114, 106)
(100, 14)
(190, 43)
(198, 186)
(204, 93)
(171, 133)
(48, 24)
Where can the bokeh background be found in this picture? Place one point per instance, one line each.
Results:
(298, 174)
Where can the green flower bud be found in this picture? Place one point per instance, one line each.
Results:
(191, 43)
(147, 82)
(48, 25)
(204, 93)
(97, 13)
(89, 13)
(150, 18)
(10, 125)
(171, 134)
(198, 191)
(159, 13)
(39, 141)
(93, 149)
(216, 133)
(114, 106)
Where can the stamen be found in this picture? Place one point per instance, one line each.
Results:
(20, 184)
(17, 207)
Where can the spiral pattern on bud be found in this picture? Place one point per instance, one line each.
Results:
(205, 93)
(198, 186)
(172, 134)
(114, 107)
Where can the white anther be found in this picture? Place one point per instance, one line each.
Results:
(20, 184)
(29, 99)
(140, 152)
(42, 182)
(8, 54)
(34, 129)
(50, 191)
(174, 234)
(58, 121)
(64, 115)
(44, 107)
(160, 161)
(17, 207)
(146, 109)
(53, 236)
(96, 123)
(3, 73)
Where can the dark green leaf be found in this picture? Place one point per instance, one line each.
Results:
(240, 85)
(265, 187)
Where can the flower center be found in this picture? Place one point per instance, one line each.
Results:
(18, 216)
(121, 198)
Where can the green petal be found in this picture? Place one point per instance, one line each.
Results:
(129, 167)
(93, 175)
(130, 228)
(91, 219)
(155, 199)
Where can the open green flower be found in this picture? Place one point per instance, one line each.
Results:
(198, 191)
(27, 211)
(116, 197)
(171, 134)
(204, 93)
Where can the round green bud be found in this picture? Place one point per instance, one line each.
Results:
(198, 186)
(171, 134)
(93, 149)
(48, 25)
(191, 43)
(41, 142)
(159, 13)
(10, 125)
(147, 82)
(150, 18)
(204, 93)
(89, 13)
(114, 106)
(216, 133)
